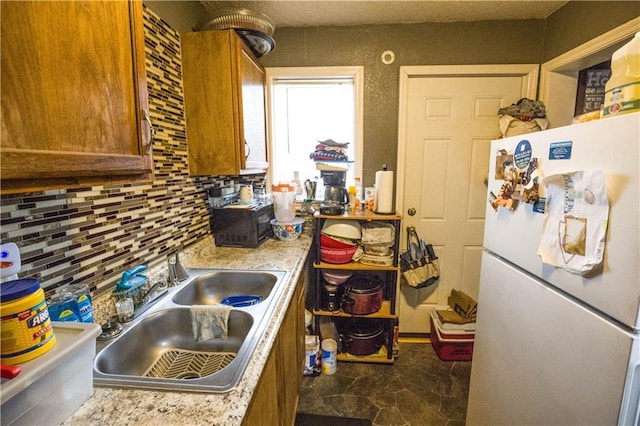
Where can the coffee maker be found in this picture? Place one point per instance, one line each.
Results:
(336, 196)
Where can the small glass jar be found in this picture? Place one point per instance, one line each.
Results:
(124, 309)
(306, 212)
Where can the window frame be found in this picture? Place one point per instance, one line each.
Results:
(354, 72)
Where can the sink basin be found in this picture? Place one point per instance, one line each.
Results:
(158, 351)
(211, 288)
(165, 337)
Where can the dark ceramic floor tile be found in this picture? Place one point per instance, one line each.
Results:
(419, 381)
(417, 411)
(352, 406)
(454, 408)
(335, 384)
(418, 389)
(459, 387)
(373, 385)
(390, 416)
(384, 399)
(461, 369)
(435, 365)
(311, 402)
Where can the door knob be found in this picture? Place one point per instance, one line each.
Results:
(411, 211)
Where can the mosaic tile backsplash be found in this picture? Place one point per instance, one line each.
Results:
(91, 235)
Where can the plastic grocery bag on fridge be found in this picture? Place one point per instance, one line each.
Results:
(575, 222)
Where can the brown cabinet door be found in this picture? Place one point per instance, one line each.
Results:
(211, 103)
(291, 359)
(224, 104)
(263, 408)
(253, 108)
(275, 400)
(73, 93)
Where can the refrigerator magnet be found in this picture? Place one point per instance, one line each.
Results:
(560, 150)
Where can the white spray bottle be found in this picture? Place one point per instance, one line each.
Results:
(9, 262)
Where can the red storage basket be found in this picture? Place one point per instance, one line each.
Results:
(453, 347)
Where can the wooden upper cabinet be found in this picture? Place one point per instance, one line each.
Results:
(74, 95)
(224, 90)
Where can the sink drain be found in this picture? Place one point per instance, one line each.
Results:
(183, 364)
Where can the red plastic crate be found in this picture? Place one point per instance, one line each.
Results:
(451, 347)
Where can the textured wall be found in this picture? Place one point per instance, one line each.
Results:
(580, 21)
(93, 234)
(488, 42)
(182, 16)
(504, 42)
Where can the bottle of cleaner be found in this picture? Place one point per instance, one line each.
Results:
(358, 184)
(62, 308)
(81, 296)
(622, 91)
(354, 203)
(10, 263)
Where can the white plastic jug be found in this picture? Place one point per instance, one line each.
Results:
(284, 199)
(622, 91)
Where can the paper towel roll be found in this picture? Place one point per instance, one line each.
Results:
(384, 192)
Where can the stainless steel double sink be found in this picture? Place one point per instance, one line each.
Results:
(158, 350)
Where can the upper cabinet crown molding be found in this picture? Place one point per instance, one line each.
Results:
(74, 95)
(224, 90)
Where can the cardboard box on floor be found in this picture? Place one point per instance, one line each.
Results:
(464, 308)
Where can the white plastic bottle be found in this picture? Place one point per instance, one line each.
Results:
(622, 91)
(297, 182)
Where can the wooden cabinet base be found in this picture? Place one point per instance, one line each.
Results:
(263, 409)
(380, 357)
(275, 401)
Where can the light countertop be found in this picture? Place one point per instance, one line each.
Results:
(115, 406)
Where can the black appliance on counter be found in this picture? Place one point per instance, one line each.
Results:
(235, 226)
(336, 196)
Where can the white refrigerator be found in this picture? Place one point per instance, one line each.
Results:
(552, 346)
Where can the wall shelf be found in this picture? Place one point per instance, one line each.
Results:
(384, 312)
(386, 316)
(355, 266)
(380, 357)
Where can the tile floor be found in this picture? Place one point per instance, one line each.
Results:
(418, 389)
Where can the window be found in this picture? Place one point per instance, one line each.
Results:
(308, 105)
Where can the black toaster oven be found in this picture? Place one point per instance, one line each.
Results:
(242, 227)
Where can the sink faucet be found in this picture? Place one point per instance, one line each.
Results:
(177, 273)
(146, 296)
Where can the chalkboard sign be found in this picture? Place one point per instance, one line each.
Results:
(590, 93)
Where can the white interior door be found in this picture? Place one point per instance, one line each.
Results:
(448, 119)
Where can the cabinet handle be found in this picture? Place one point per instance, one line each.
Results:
(247, 150)
(152, 131)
